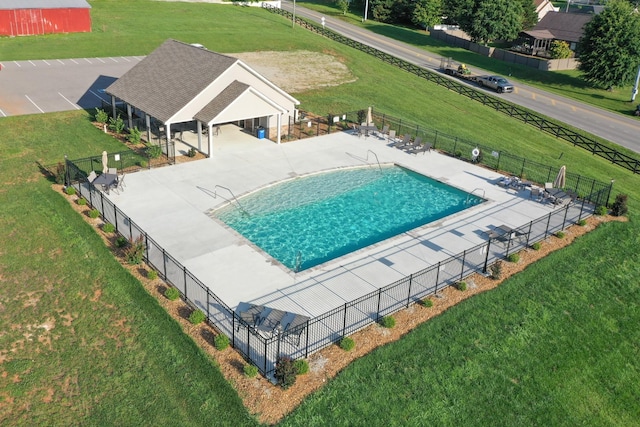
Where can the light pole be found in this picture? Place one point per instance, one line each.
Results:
(293, 21)
(366, 10)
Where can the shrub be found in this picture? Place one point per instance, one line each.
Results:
(196, 317)
(134, 254)
(108, 228)
(172, 294)
(536, 246)
(135, 135)
(143, 163)
(427, 302)
(192, 152)
(388, 322)
(154, 151)
(514, 258)
(285, 372)
(559, 234)
(152, 275)
(70, 191)
(302, 366)
(495, 271)
(601, 210)
(347, 344)
(462, 286)
(116, 125)
(82, 201)
(94, 213)
(620, 207)
(582, 222)
(101, 116)
(59, 173)
(121, 242)
(250, 370)
(220, 341)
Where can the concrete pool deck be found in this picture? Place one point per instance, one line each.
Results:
(171, 205)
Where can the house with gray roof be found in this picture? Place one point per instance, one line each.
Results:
(566, 27)
(180, 83)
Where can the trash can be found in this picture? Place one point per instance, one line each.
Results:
(260, 132)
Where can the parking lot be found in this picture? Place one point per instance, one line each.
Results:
(44, 86)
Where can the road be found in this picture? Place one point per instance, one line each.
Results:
(624, 131)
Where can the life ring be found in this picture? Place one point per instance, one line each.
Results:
(475, 152)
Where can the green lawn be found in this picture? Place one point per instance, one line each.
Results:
(82, 342)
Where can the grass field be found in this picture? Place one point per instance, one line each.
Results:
(82, 343)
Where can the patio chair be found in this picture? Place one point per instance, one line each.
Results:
(293, 325)
(92, 176)
(391, 136)
(119, 184)
(406, 140)
(113, 171)
(413, 146)
(537, 194)
(384, 131)
(423, 148)
(251, 316)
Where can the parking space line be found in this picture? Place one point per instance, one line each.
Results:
(86, 59)
(114, 60)
(3, 114)
(32, 63)
(65, 98)
(99, 59)
(36, 105)
(73, 60)
(45, 62)
(125, 59)
(18, 64)
(60, 61)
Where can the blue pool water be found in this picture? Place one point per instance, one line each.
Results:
(308, 221)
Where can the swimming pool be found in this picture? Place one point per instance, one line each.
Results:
(310, 220)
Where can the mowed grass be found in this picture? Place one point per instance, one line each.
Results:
(555, 345)
(82, 343)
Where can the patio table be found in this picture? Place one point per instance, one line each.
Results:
(107, 180)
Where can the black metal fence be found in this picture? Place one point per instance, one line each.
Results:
(558, 130)
(330, 327)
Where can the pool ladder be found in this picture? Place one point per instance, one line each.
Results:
(471, 194)
(215, 194)
(376, 156)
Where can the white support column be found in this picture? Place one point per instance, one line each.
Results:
(199, 130)
(167, 129)
(148, 122)
(279, 126)
(129, 116)
(210, 135)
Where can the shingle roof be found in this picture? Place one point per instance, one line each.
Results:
(43, 4)
(222, 101)
(564, 26)
(168, 78)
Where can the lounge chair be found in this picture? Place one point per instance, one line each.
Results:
(293, 325)
(406, 140)
(537, 194)
(417, 142)
(384, 131)
(251, 316)
(392, 135)
(423, 148)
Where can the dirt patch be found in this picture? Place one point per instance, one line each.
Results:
(271, 403)
(298, 70)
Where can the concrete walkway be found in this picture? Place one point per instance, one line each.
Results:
(171, 205)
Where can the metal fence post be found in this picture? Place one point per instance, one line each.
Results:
(184, 272)
(486, 259)
(437, 276)
(378, 310)
(344, 320)
(409, 293)
(546, 231)
(164, 263)
(464, 255)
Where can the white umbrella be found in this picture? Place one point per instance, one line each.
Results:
(369, 117)
(560, 179)
(105, 161)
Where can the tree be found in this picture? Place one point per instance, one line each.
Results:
(529, 15)
(610, 46)
(486, 20)
(343, 5)
(427, 13)
(495, 19)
